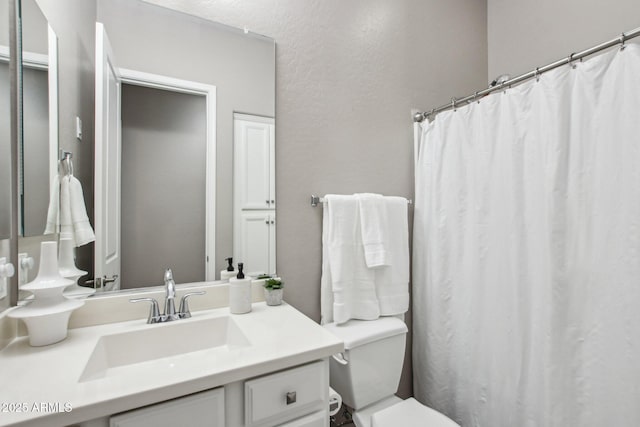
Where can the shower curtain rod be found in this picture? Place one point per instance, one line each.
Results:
(457, 102)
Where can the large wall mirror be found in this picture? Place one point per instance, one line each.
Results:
(175, 160)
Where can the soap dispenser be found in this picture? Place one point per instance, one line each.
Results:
(240, 292)
(229, 272)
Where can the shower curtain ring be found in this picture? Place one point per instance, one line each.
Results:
(453, 103)
(623, 39)
(475, 97)
(571, 64)
(537, 74)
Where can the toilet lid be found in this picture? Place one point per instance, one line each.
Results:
(410, 413)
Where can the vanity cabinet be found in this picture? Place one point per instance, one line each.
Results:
(294, 397)
(205, 409)
(285, 396)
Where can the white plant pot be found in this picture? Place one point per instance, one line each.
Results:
(273, 296)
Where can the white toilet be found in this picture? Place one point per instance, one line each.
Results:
(367, 375)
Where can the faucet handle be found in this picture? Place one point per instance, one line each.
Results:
(154, 311)
(168, 275)
(184, 312)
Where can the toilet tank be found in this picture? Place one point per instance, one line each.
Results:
(370, 367)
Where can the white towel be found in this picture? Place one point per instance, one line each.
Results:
(82, 230)
(373, 221)
(67, 209)
(392, 280)
(346, 279)
(53, 211)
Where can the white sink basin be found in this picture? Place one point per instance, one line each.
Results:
(161, 341)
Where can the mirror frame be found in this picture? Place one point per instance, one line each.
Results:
(15, 99)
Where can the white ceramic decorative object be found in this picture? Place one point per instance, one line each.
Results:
(46, 324)
(68, 270)
(47, 315)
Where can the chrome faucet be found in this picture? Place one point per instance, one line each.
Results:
(170, 313)
(169, 303)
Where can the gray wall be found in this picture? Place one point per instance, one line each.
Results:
(74, 23)
(163, 168)
(525, 34)
(35, 107)
(348, 74)
(5, 155)
(151, 39)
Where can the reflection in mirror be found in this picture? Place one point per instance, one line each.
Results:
(170, 199)
(39, 145)
(5, 126)
(179, 91)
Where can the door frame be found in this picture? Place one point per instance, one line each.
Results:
(156, 81)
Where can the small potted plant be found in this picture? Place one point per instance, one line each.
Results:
(273, 290)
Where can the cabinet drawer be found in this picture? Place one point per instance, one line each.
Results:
(281, 397)
(318, 419)
(205, 409)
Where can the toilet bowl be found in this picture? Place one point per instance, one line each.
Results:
(368, 372)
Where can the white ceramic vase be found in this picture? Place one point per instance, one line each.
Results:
(47, 315)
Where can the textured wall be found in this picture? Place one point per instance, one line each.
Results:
(525, 34)
(348, 74)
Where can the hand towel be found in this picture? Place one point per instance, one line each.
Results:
(66, 224)
(53, 211)
(345, 271)
(392, 280)
(82, 230)
(67, 210)
(373, 223)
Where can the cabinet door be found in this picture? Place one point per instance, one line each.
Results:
(272, 243)
(318, 419)
(253, 250)
(204, 409)
(254, 164)
(287, 396)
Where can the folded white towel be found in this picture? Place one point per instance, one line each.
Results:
(66, 225)
(392, 280)
(373, 223)
(67, 210)
(53, 211)
(82, 230)
(345, 271)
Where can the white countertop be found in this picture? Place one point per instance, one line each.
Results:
(280, 337)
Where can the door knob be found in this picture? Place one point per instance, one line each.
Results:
(105, 280)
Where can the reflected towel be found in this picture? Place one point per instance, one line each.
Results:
(53, 210)
(67, 209)
(82, 230)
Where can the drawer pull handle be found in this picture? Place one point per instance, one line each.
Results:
(291, 397)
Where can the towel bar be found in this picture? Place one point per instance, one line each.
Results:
(315, 200)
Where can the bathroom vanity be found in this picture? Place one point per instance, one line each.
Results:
(265, 368)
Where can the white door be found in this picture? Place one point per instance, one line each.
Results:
(272, 243)
(107, 164)
(253, 250)
(254, 162)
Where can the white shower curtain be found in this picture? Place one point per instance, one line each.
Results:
(526, 266)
